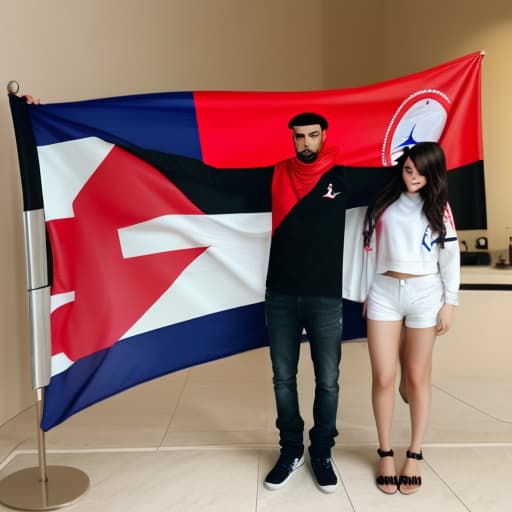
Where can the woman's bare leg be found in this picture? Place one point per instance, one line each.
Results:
(419, 345)
(383, 345)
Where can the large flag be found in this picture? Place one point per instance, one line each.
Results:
(152, 274)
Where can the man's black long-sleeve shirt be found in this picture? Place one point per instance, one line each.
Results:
(306, 252)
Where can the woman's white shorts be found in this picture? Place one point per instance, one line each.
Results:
(417, 299)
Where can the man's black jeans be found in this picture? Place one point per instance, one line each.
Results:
(286, 316)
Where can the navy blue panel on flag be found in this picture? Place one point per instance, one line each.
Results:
(163, 122)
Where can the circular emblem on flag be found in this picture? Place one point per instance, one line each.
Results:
(420, 117)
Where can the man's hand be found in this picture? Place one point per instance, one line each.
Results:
(31, 100)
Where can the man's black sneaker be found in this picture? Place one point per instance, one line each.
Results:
(324, 474)
(282, 471)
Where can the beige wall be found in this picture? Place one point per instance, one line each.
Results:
(420, 35)
(66, 50)
(353, 35)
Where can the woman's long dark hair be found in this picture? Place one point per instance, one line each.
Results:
(429, 159)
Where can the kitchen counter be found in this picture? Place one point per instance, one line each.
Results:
(485, 278)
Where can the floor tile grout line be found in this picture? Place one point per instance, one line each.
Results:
(436, 386)
(8, 459)
(255, 447)
(468, 445)
(217, 447)
(173, 413)
(347, 494)
(18, 415)
(258, 473)
(447, 486)
(10, 456)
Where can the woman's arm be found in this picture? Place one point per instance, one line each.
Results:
(449, 269)
(449, 261)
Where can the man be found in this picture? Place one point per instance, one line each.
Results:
(304, 290)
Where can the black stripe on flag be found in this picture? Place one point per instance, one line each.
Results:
(463, 183)
(213, 190)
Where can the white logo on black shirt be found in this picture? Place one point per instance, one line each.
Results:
(330, 194)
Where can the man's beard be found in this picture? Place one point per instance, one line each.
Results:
(307, 158)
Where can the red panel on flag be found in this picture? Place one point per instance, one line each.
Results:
(112, 291)
(442, 103)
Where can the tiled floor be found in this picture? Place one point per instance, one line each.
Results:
(203, 439)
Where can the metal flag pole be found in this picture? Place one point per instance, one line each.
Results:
(42, 487)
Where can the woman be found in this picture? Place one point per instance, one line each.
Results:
(411, 241)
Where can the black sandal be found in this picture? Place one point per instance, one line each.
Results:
(410, 480)
(386, 480)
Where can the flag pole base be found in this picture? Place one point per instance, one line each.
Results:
(24, 489)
